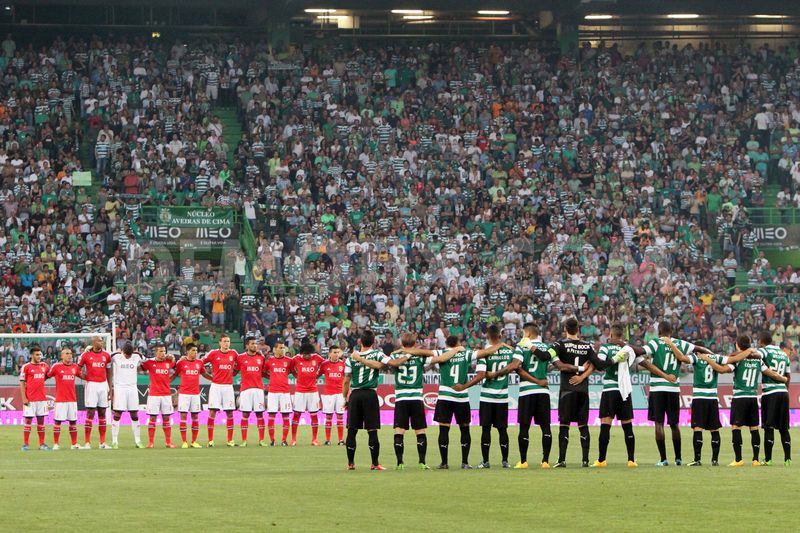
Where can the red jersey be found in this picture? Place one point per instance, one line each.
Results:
(159, 376)
(334, 375)
(306, 371)
(222, 365)
(34, 376)
(279, 369)
(189, 372)
(65, 381)
(252, 370)
(96, 364)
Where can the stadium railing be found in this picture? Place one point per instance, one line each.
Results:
(773, 215)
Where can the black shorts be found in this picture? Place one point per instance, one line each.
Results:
(447, 409)
(613, 406)
(664, 404)
(535, 406)
(775, 410)
(744, 412)
(409, 413)
(705, 414)
(363, 411)
(494, 414)
(573, 406)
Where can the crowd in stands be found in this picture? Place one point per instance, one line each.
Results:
(435, 187)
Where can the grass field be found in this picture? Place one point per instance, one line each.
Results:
(308, 489)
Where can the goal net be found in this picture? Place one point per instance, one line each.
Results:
(15, 347)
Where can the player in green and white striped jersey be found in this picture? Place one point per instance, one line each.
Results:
(744, 407)
(409, 408)
(705, 402)
(664, 400)
(774, 398)
(613, 404)
(362, 374)
(454, 365)
(494, 395)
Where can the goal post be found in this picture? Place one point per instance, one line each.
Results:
(52, 343)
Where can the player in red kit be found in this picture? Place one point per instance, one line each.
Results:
(32, 376)
(159, 397)
(66, 373)
(279, 399)
(306, 367)
(251, 393)
(97, 392)
(220, 394)
(189, 369)
(332, 400)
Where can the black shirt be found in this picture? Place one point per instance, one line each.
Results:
(574, 352)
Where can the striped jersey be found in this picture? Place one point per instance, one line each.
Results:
(361, 376)
(705, 377)
(663, 358)
(610, 375)
(453, 372)
(408, 377)
(495, 390)
(745, 378)
(775, 359)
(531, 364)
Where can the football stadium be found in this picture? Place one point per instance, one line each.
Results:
(261, 260)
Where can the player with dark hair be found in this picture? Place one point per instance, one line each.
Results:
(306, 366)
(775, 398)
(189, 369)
(361, 376)
(251, 365)
(32, 376)
(220, 393)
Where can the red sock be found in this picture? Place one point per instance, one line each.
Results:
(195, 430)
(182, 428)
(230, 426)
(340, 427)
(40, 431)
(314, 426)
(245, 423)
(73, 433)
(101, 426)
(271, 426)
(211, 427)
(56, 432)
(328, 427)
(285, 426)
(151, 429)
(87, 430)
(26, 432)
(166, 425)
(261, 423)
(295, 424)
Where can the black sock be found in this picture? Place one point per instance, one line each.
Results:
(736, 435)
(676, 442)
(697, 441)
(444, 442)
(605, 436)
(399, 447)
(547, 443)
(522, 441)
(786, 440)
(769, 442)
(755, 441)
(563, 443)
(350, 444)
(662, 449)
(503, 432)
(630, 440)
(584, 431)
(374, 447)
(486, 442)
(466, 444)
(422, 447)
(715, 445)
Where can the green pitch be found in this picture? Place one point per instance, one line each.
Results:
(308, 489)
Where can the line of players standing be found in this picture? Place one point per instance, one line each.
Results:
(111, 381)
